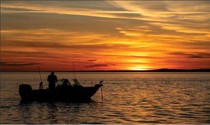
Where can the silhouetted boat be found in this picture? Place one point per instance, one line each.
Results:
(64, 91)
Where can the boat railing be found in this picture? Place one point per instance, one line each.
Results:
(75, 82)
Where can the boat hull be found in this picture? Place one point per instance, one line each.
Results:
(60, 93)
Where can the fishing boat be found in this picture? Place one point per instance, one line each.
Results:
(64, 91)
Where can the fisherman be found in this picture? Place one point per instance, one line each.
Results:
(52, 79)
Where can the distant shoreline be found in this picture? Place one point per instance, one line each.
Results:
(156, 70)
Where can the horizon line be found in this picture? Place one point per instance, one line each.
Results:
(149, 70)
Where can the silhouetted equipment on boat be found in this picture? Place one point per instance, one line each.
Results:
(64, 91)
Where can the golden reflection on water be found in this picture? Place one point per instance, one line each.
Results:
(128, 98)
(162, 102)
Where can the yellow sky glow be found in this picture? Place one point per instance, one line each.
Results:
(104, 35)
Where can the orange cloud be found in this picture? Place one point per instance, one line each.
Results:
(114, 35)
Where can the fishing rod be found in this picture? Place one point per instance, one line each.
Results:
(75, 75)
(41, 83)
(102, 94)
(101, 90)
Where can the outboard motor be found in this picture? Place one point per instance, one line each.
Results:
(25, 92)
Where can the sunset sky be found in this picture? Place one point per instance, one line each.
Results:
(104, 35)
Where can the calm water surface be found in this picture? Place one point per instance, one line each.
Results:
(127, 98)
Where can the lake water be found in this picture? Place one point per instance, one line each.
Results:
(127, 98)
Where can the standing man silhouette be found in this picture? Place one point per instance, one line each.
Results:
(52, 79)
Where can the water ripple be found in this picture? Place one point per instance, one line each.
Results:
(129, 98)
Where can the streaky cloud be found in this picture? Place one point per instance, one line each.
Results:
(98, 65)
(192, 55)
(17, 64)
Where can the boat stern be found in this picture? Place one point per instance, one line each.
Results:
(25, 92)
